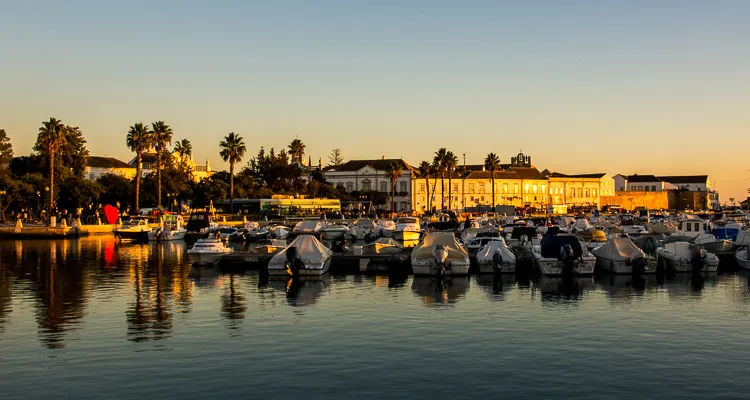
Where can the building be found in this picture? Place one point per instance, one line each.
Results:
(692, 191)
(148, 165)
(652, 183)
(581, 190)
(96, 167)
(370, 175)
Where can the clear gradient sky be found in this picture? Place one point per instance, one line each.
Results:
(631, 86)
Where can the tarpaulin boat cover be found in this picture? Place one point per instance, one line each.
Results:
(387, 242)
(365, 223)
(582, 224)
(486, 254)
(310, 249)
(618, 249)
(551, 245)
(662, 227)
(726, 233)
(252, 225)
(423, 251)
(308, 226)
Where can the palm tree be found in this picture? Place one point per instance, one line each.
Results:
(51, 137)
(138, 141)
(232, 150)
(162, 137)
(393, 172)
(439, 161)
(492, 164)
(451, 163)
(424, 172)
(297, 150)
(184, 148)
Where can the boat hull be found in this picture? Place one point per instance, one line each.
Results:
(205, 258)
(621, 267)
(304, 271)
(429, 267)
(404, 236)
(682, 265)
(742, 259)
(132, 235)
(554, 267)
(491, 268)
(333, 235)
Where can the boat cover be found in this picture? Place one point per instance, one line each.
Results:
(365, 223)
(423, 251)
(307, 226)
(551, 245)
(617, 249)
(485, 255)
(387, 242)
(251, 225)
(582, 224)
(310, 249)
(726, 233)
(387, 225)
(661, 227)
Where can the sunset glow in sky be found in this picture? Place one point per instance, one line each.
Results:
(656, 87)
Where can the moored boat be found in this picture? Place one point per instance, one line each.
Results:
(621, 256)
(686, 257)
(407, 229)
(495, 256)
(208, 251)
(136, 229)
(306, 255)
(440, 253)
(563, 255)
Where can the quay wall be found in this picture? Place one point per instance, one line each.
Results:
(45, 232)
(651, 200)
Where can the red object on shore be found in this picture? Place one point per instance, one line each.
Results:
(111, 214)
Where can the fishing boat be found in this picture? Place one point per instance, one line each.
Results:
(495, 256)
(306, 255)
(621, 256)
(208, 251)
(686, 257)
(563, 255)
(407, 229)
(439, 253)
(171, 228)
(136, 229)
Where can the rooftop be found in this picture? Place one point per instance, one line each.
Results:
(106, 162)
(685, 179)
(378, 165)
(642, 178)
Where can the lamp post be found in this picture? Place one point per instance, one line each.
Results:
(2, 211)
(46, 193)
(37, 202)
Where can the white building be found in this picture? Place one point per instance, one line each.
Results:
(370, 175)
(652, 183)
(96, 167)
(148, 165)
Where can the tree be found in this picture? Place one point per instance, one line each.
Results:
(6, 148)
(232, 150)
(451, 163)
(492, 164)
(70, 156)
(76, 192)
(161, 138)
(439, 161)
(184, 148)
(393, 172)
(116, 189)
(297, 151)
(335, 159)
(424, 172)
(50, 137)
(138, 141)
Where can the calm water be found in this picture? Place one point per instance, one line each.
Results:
(93, 319)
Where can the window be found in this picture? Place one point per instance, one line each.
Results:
(543, 187)
(482, 198)
(534, 188)
(455, 187)
(421, 188)
(505, 188)
(515, 188)
(339, 185)
(349, 187)
(587, 193)
(580, 192)
(481, 187)
(633, 188)
(640, 188)
(526, 188)
(689, 227)
(471, 189)
(402, 187)
(366, 184)
(697, 226)
(593, 192)
(653, 188)
(383, 187)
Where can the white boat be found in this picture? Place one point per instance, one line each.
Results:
(307, 227)
(407, 229)
(133, 229)
(279, 232)
(440, 253)
(254, 232)
(208, 251)
(333, 232)
(687, 257)
(225, 232)
(361, 229)
(621, 256)
(306, 255)
(476, 244)
(742, 259)
(634, 229)
(171, 228)
(385, 228)
(495, 256)
(712, 244)
(562, 255)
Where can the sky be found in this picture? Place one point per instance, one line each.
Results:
(649, 87)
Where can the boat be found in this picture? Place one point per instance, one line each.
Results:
(279, 232)
(440, 253)
(563, 255)
(306, 255)
(171, 228)
(133, 229)
(225, 232)
(361, 229)
(253, 232)
(311, 227)
(333, 232)
(686, 257)
(742, 258)
(384, 228)
(407, 229)
(495, 256)
(198, 225)
(478, 243)
(621, 256)
(208, 251)
(712, 244)
(382, 246)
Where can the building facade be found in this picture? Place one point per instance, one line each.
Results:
(96, 167)
(148, 165)
(582, 190)
(370, 175)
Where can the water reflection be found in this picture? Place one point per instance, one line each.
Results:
(233, 303)
(6, 298)
(555, 289)
(496, 286)
(301, 292)
(436, 291)
(623, 288)
(688, 285)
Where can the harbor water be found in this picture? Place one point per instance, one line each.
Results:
(93, 318)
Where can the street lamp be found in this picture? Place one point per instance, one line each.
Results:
(2, 211)
(46, 193)
(37, 202)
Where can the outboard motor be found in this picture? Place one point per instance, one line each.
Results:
(293, 261)
(497, 261)
(649, 247)
(567, 257)
(637, 263)
(697, 259)
(441, 255)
